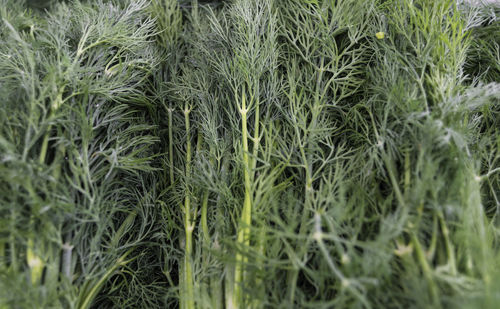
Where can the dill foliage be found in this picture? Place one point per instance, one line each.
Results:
(249, 154)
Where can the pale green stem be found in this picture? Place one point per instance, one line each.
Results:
(449, 246)
(243, 237)
(45, 144)
(216, 293)
(66, 261)
(188, 225)
(432, 246)
(54, 266)
(229, 285)
(426, 270)
(34, 262)
(204, 214)
(407, 174)
(256, 140)
(206, 237)
(215, 287)
(261, 245)
(53, 108)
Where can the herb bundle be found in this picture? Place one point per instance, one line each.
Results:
(249, 154)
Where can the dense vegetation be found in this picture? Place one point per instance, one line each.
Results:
(249, 154)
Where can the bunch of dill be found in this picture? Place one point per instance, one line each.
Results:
(249, 154)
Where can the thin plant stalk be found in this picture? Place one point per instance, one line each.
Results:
(188, 221)
(170, 145)
(243, 236)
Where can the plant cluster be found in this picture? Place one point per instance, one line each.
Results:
(249, 154)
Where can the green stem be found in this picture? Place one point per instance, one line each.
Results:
(392, 177)
(407, 174)
(53, 108)
(433, 243)
(12, 240)
(34, 262)
(449, 247)
(229, 284)
(261, 245)
(188, 225)
(89, 298)
(243, 237)
(213, 288)
(170, 146)
(216, 293)
(433, 290)
(45, 145)
(56, 264)
(204, 220)
(256, 140)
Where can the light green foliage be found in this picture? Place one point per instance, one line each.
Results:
(249, 154)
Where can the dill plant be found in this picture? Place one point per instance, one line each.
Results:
(76, 149)
(326, 55)
(249, 154)
(223, 132)
(437, 189)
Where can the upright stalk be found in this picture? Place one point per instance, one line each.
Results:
(188, 225)
(45, 144)
(256, 137)
(12, 239)
(243, 238)
(170, 145)
(204, 220)
(426, 270)
(35, 262)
